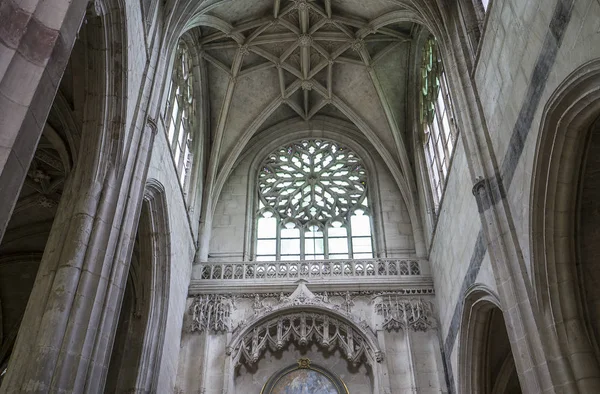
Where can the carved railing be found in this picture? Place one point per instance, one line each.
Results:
(310, 269)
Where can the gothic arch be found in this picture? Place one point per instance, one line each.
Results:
(143, 315)
(483, 368)
(156, 221)
(369, 347)
(561, 145)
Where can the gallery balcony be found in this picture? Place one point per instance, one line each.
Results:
(408, 274)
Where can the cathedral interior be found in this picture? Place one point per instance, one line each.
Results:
(300, 196)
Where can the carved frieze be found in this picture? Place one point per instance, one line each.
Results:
(399, 313)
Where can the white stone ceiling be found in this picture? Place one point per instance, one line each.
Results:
(304, 41)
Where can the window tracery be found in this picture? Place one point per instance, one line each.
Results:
(313, 204)
(180, 112)
(437, 119)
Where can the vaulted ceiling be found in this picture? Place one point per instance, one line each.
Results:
(269, 61)
(304, 42)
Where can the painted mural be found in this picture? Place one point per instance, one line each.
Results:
(304, 381)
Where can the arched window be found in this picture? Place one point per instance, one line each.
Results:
(180, 112)
(484, 4)
(313, 204)
(437, 119)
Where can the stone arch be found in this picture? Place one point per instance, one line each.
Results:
(301, 312)
(485, 347)
(305, 364)
(144, 311)
(371, 350)
(561, 146)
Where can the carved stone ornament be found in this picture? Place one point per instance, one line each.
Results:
(304, 363)
(211, 312)
(302, 328)
(325, 324)
(399, 313)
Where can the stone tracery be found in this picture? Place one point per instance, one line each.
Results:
(303, 328)
(399, 313)
(313, 179)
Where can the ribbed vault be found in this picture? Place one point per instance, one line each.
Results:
(270, 61)
(302, 40)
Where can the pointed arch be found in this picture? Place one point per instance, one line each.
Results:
(155, 219)
(368, 347)
(560, 149)
(321, 127)
(485, 356)
(135, 366)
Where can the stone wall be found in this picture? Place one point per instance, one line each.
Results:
(403, 328)
(162, 169)
(527, 50)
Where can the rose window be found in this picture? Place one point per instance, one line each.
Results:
(313, 204)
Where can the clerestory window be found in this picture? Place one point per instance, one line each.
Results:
(437, 119)
(313, 204)
(180, 112)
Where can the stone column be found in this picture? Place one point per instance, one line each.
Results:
(66, 336)
(522, 328)
(36, 38)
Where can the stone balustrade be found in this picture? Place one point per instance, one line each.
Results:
(321, 269)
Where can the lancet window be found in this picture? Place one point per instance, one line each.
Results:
(313, 204)
(180, 112)
(437, 119)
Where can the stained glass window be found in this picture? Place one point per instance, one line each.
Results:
(437, 119)
(313, 204)
(180, 112)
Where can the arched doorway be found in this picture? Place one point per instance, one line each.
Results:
(487, 365)
(137, 349)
